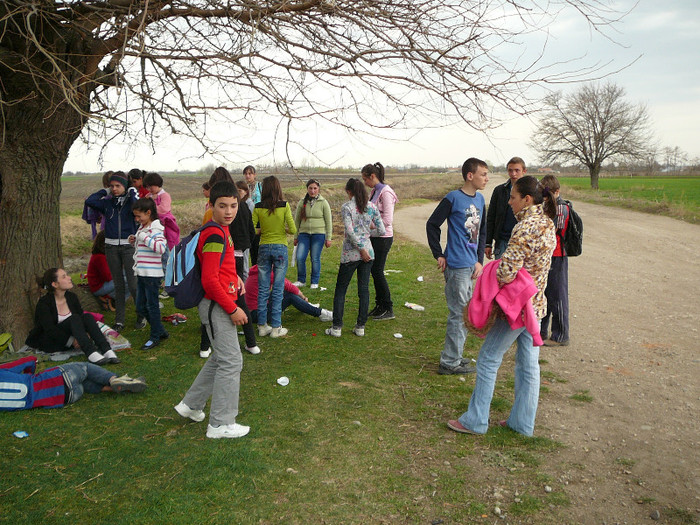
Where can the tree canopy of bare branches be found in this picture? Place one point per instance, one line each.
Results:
(151, 68)
(590, 126)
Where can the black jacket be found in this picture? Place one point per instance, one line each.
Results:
(496, 213)
(46, 334)
(241, 229)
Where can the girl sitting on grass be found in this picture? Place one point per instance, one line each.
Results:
(60, 322)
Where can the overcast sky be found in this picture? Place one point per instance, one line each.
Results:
(659, 41)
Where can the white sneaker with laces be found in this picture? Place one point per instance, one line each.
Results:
(278, 331)
(264, 329)
(299, 284)
(205, 353)
(326, 315)
(333, 331)
(185, 411)
(313, 286)
(253, 349)
(359, 331)
(227, 431)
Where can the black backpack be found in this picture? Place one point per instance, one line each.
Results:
(572, 241)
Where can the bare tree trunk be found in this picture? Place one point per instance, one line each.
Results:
(32, 156)
(594, 171)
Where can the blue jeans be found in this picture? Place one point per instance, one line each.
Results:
(147, 304)
(527, 380)
(557, 294)
(458, 292)
(500, 248)
(271, 258)
(293, 300)
(106, 289)
(382, 294)
(84, 377)
(345, 272)
(313, 242)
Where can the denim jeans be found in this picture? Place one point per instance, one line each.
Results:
(501, 246)
(293, 300)
(557, 294)
(120, 260)
(271, 258)
(458, 292)
(106, 289)
(527, 380)
(147, 304)
(382, 295)
(84, 377)
(345, 272)
(313, 242)
(220, 377)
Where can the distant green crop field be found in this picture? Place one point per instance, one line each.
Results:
(677, 190)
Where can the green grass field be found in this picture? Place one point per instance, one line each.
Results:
(674, 196)
(358, 436)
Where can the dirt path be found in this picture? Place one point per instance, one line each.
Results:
(635, 348)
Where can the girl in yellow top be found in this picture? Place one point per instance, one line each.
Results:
(272, 217)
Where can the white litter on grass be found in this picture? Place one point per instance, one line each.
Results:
(420, 279)
(414, 306)
(20, 434)
(323, 289)
(283, 381)
(398, 335)
(392, 271)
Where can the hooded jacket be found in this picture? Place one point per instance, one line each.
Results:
(119, 218)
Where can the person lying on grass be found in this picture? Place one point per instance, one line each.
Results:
(21, 387)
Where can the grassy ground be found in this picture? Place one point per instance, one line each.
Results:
(677, 197)
(358, 436)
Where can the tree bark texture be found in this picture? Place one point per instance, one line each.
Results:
(37, 137)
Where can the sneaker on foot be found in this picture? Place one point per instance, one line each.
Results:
(163, 295)
(359, 331)
(552, 342)
(253, 349)
(264, 329)
(185, 411)
(386, 315)
(227, 431)
(97, 358)
(140, 323)
(335, 332)
(374, 311)
(299, 284)
(326, 315)
(278, 331)
(313, 286)
(455, 425)
(461, 368)
(118, 327)
(148, 345)
(205, 353)
(127, 384)
(112, 357)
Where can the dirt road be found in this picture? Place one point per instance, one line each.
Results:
(635, 348)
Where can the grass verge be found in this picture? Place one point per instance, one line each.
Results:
(358, 436)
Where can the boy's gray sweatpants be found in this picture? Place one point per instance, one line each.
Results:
(220, 376)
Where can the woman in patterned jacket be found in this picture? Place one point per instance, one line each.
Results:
(530, 247)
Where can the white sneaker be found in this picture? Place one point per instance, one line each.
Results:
(253, 349)
(326, 315)
(185, 411)
(227, 431)
(278, 331)
(313, 286)
(335, 332)
(205, 353)
(264, 329)
(299, 284)
(359, 331)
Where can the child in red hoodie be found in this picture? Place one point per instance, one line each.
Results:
(220, 376)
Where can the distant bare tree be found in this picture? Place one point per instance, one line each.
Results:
(674, 158)
(590, 126)
(151, 68)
